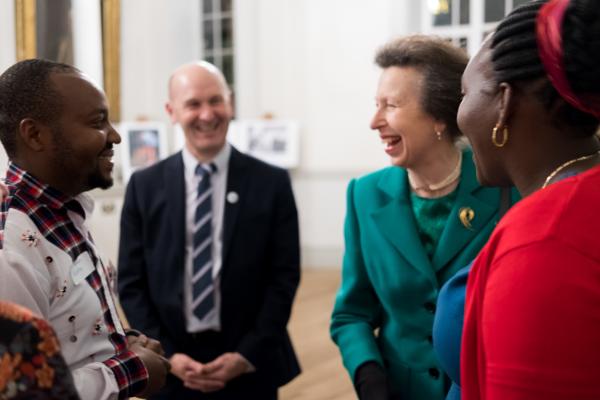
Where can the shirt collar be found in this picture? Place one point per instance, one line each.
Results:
(221, 159)
(46, 194)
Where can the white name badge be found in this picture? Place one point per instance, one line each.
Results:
(81, 268)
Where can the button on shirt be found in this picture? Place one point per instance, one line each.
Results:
(219, 185)
(53, 267)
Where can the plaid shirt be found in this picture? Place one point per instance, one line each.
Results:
(48, 208)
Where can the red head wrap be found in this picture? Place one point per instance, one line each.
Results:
(549, 39)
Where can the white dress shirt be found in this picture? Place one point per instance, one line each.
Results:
(219, 186)
(40, 276)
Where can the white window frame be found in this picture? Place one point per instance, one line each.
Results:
(217, 52)
(474, 31)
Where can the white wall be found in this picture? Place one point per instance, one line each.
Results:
(8, 52)
(157, 37)
(312, 60)
(87, 38)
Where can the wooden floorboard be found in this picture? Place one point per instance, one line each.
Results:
(323, 376)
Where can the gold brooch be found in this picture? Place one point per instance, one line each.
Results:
(466, 215)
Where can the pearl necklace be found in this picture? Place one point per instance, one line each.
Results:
(565, 165)
(444, 183)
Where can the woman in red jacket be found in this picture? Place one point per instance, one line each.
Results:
(531, 108)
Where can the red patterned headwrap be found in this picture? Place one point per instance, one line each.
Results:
(549, 38)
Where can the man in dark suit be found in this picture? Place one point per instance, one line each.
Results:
(209, 253)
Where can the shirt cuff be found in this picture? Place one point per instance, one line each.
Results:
(130, 373)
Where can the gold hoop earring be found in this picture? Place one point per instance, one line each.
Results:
(439, 135)
(495, 136)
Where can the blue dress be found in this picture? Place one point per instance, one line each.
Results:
(447, 328)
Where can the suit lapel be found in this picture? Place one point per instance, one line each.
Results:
(457, 235)
(395, 220)
(236, 183)
(175, 188)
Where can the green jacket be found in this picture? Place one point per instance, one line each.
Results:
(390, 284)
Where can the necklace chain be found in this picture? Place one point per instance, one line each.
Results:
(444, 183)
(565, 165)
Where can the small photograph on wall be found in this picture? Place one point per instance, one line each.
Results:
(273, 141)
(143, 144)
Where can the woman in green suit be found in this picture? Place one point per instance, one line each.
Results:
(409, 227)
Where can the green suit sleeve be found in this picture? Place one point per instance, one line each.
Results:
(357, 310)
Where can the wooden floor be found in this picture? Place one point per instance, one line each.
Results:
(323, 376)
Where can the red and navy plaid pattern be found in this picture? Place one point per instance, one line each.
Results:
(47, 208)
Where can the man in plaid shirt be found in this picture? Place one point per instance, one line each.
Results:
(55, 129)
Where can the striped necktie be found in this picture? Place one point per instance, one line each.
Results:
(203, 290)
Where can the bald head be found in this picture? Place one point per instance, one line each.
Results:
(195, 71)
(199, 101)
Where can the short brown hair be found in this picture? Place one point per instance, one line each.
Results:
(442, 66)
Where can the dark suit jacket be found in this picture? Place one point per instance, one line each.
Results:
(259, 275)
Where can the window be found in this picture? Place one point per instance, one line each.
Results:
(493, 10)
(217, 32)
(465, 22)
(449, 12)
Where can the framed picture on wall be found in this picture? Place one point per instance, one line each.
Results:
(271, 140)
(142, 144)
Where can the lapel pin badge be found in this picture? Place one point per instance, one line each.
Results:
(232, 197)
(466, 215)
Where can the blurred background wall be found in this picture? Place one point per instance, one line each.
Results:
(309, 61)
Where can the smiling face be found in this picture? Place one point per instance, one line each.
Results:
(405, 129)
(199, 101)
(82, 136)
(478, 113)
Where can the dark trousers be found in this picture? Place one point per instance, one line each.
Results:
(205, 347)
